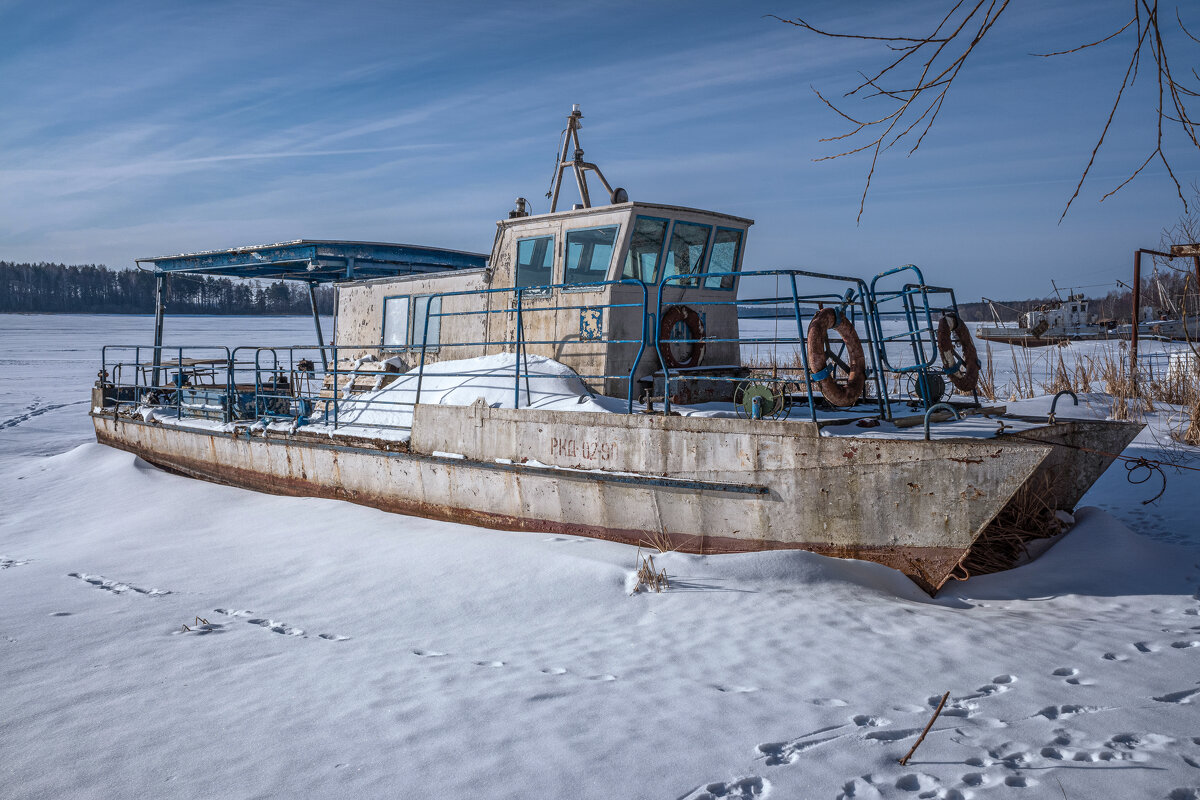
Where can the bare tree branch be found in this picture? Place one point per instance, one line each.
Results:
(917, 78)
(1089, 44)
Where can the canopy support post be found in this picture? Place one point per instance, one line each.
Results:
(312, 298)
(160, 307)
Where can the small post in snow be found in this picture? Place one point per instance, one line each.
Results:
(908, 755)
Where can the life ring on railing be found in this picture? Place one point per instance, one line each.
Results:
(668, 341)
(842, 395)
(963, 371)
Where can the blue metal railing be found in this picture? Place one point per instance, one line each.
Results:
(921, 308)
(851, 299)
(920, 337)
(289, 383)
(520, 310)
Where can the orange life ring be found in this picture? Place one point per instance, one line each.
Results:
(695, 337)
(964, 371)
(818, 348)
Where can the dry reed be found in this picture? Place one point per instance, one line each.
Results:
(648, 577)
(1029, 515)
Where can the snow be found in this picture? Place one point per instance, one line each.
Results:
(551, 386)
(338, 651)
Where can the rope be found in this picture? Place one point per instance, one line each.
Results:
(1132, 463)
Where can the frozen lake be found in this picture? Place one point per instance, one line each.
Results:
(332, 650)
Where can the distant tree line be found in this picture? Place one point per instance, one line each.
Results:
(96, 289)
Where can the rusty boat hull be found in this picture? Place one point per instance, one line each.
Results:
(704, 485)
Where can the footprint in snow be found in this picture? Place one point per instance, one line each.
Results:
(1130, 745)
(1183, 645)
(892, 735)
(777, 753)
(860, 788)
(275, 626)
(116, 587)
(918, 782)
(553, 671)
(955, 706)
(489, 663)
(5, 562)
(428, 653)
(1071, 677)
(828, 702)
(1010, 758)
(978, 780)
(1145, 647)
(728, 689)
(737, 789)
(1185, 793)
(1184, 697)
(867, 721)
(605, 678)
(1115, 657)
(1063, 712)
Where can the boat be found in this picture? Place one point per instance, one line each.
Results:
(1161, 328)
(587, 377)
(1051, 324)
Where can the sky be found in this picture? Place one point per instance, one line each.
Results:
(137, 129)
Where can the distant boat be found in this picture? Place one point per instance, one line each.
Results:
(1067, 320)
(1164, 329)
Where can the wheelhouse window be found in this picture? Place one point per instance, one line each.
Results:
(431, 331)
(685, 255)
(535, 262)
(726, 249)
(589, 253)
(395, 322)
(644, 248)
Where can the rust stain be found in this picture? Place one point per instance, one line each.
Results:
(929, 567)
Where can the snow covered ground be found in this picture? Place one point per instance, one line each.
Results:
(338, 651)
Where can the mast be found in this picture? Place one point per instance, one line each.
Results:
(578, 166)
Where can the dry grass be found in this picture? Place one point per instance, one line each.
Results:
(1029, 515)
(659, 541)
(648, 577)
(987, 375)
(1188, 431)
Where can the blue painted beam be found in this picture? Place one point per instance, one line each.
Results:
(320, 261)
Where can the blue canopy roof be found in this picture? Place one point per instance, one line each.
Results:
(319, 261)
